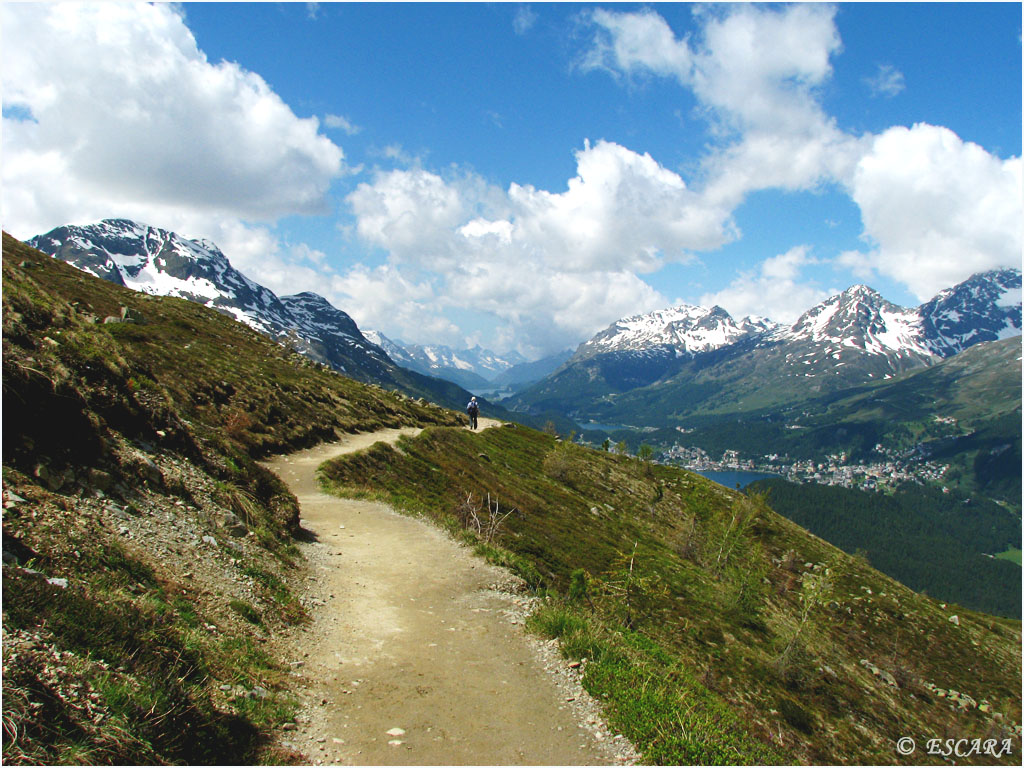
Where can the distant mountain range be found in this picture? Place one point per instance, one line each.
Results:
(474, 368)
(667, 366)
(156, 261)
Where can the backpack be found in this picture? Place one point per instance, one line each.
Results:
(472, 409)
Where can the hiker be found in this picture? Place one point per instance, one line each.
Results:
(472, 409)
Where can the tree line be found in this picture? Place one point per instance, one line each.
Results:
(934, 542)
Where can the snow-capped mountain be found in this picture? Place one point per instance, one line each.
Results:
(855, 323)
(163, 263)
(328, 334)
(474, 367)
(159, 262)
(985, 307)
(858, 321)
(687, 329)
(699, 359)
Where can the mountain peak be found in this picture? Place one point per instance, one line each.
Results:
(685, 328)
(984, 307)
(156, 261)
(861, 291)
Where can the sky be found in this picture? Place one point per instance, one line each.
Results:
(519, 176)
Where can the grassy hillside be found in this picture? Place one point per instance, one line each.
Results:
(714, 629)
(146, 556)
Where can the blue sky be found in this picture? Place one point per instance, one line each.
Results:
(520, 176)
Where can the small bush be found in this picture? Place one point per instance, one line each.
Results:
(246, 611)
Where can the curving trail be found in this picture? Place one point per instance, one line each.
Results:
(413, 657)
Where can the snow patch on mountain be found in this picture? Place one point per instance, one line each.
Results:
(687, 329)
(860, 319)
(439, 359)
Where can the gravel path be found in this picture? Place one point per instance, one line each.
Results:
(416, 654)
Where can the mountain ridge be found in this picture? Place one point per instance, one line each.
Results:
(473, 368)
(160, 262)
(847, 340)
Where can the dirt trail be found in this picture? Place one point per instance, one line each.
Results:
(416, 654)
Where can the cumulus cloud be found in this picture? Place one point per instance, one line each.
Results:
(116, 104)
(755, 72)
(554, 265)
(413, 214)
(621, 210)
(937, 208)
(775, 289)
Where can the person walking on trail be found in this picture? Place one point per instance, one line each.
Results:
(473, 409)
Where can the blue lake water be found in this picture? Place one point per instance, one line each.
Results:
(732, 478)
(596, 425)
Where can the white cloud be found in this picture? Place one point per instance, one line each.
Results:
(621, 211)
(755, 66)
(755, 72)
(888, 81)
(125, 108)
(342, 123)
(524, 19)
(413, 214)
(552, 266)
(774, 290)
(635, 43)
(938, 209)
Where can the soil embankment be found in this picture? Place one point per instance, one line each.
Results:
(416, 653)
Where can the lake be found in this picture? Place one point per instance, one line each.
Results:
(596, 426)
(731, 478)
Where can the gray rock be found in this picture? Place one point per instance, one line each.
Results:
(99, 479)
(51, 479)
(131, 316)
(234, 525)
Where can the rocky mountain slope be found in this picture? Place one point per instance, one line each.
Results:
(162, 263)
(148, 562)
(683, 331)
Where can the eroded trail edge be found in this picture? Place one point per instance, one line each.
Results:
(416, 653)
